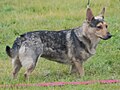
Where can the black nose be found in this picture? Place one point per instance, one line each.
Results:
(109, 35)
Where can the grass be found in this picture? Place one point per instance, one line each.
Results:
(20, 16)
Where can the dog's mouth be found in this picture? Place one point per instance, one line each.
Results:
(106, 37)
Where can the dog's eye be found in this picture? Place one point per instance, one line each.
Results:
(99, 27)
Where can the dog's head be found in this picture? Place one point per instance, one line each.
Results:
(98, 25)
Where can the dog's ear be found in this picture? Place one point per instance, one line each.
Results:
(89, 15)
(102, 12)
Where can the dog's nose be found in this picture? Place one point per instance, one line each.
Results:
(109, 35)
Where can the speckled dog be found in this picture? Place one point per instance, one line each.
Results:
(73, 46)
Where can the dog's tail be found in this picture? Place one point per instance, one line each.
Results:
(9, 51)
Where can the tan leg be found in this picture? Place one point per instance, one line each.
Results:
(73, 69)
(79, 67)
(29, 71)
(16, 70)
(16, 67)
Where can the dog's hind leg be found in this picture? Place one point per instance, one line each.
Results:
(28, 57)
(29, 70)
(16, 67)
(29, 53)
(29, 63)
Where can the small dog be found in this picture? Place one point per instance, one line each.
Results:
(73, 46)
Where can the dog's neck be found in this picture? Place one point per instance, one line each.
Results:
(90, 40)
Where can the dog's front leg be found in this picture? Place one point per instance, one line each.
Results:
(73, 69)
(79, 66)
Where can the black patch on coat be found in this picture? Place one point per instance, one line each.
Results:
(95, 22)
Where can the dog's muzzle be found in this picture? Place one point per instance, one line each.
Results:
(108, 36)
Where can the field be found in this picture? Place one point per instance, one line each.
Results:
(20, 16)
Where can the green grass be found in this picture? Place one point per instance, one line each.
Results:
(20, 16)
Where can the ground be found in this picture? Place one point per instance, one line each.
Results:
(20, 16)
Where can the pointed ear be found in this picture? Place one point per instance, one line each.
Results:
(102, 12)
(89, 15)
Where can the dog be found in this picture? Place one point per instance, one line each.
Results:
(72, 46)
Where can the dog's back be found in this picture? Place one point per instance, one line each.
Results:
(53, 45)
